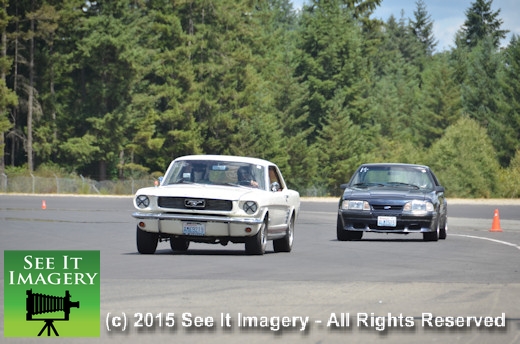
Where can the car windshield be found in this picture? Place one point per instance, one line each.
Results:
(214, 172)
(393, 176)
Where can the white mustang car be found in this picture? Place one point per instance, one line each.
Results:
(217, 199)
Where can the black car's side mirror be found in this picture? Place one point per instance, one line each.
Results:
(343, 186)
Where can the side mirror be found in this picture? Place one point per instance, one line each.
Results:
(343, 186)
(439, 188)
(159, 181)
(275, 187)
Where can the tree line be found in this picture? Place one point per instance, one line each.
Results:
(117, 89)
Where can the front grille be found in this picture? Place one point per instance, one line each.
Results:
(387, 207)
(206, 204)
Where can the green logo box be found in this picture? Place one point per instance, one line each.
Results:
(51, 293)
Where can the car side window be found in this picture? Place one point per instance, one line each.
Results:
(275, 178)
(435, 180)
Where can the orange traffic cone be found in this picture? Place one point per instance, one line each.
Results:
(44, 205)
(495, 227)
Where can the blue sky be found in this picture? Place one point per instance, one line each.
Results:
(447, 15)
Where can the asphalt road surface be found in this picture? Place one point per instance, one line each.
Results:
(385, 288)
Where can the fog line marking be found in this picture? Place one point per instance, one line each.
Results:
(488, 239)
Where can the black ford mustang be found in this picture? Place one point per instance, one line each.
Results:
(392, 198)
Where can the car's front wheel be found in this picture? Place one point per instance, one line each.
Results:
(146, 241)
(444, 230)
(256, 245)
(432, 236)
(344, 235)
(285, 244)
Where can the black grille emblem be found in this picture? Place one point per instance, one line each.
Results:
(194, 203)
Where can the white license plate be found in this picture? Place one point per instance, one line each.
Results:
(386, 221)
(194, 228)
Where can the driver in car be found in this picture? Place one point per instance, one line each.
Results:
(245, 177)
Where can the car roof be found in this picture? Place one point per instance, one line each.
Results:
(381, 164)
(233, 158)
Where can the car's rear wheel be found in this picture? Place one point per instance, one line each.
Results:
(179, 244)
(256, 245)
(146, 241)
(285, 244)
(344, 235)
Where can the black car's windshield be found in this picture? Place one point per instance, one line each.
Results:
(392, 176)
(213, 172)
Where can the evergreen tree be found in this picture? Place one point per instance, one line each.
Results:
(106, 50)
(165, 97)
(331, 57)
(20, 36)
(422, 28)
(279, 23)
(482, 22)
(119, 88)
(394, 102)
(362, 9)
(459, 59)
(483, 97)
(343, 145)
(7, 96)
(335, 72)
(398, 43)
(512, 94)
(44, 133)
(40, 25)
(440, 99)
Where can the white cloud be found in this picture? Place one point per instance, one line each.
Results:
(445, 30)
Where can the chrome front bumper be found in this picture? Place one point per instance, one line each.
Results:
(197, 217)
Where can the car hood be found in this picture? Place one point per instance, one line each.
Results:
(386, 193)
(200, 191)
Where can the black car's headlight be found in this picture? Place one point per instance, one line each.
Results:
(417, 206)
(142, 201)
(250, 207)
(355, 205)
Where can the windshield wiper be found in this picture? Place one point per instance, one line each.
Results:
(403, 184)
(182, 181)
(367, 184)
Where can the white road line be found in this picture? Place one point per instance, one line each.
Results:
(493, 240)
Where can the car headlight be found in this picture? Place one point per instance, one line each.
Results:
(418, 206)
(250, 207)
(142, 201)
(355, 205)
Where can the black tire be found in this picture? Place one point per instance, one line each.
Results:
(443, 233)
(344, 235)
(432, 236)
(285, 244)
(146, 241)
(179, 244)
(256, 245)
